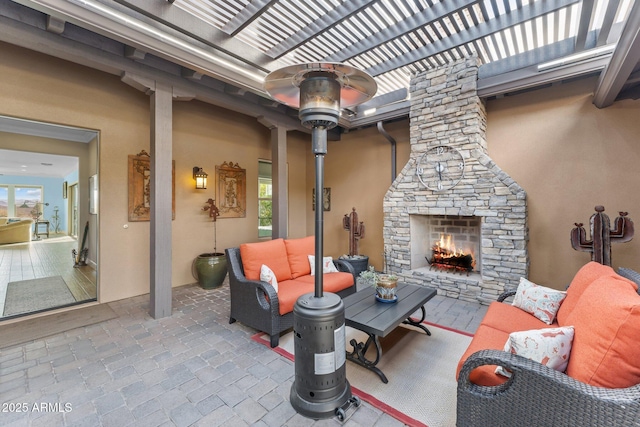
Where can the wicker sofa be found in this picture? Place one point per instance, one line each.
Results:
(256, 303)
(601, 384)
(15, 231)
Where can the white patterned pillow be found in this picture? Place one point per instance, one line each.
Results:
(551, 347)
(267, 275)
(327, 265)
(538, 300)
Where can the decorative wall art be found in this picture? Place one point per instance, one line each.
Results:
(326, 199)
(231, 190)
(140, 187)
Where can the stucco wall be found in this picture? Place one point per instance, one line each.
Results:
(39, 87)
(358, 171)
(569, 156)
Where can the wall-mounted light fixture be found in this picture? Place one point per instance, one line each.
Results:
(200, 177)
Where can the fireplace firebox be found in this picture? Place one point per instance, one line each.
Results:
(446, 256)
(449, 243)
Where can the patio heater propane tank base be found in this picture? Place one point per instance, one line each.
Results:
(320, 388)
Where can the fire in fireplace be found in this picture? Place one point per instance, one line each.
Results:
(448, 258)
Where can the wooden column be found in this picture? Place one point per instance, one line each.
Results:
(161, 200)
(280, 194)
(279, 182)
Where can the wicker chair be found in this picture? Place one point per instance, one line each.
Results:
(255, 303)
(631, 275)
(537, 395)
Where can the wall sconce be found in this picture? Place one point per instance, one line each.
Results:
(200, 177)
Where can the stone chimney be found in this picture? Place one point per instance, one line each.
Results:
(486, 207)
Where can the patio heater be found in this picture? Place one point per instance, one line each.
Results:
(320, 388)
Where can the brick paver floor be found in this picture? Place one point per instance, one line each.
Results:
(192, 368)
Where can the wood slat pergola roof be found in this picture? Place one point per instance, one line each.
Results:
(522, 44)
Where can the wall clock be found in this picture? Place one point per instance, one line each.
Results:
(440, 168)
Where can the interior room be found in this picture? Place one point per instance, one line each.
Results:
(478, 156)
(40, 189)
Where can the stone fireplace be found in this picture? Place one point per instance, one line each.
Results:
(485, 210)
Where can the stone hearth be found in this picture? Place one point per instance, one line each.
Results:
(446, 110)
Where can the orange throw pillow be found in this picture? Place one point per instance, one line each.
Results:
(606, 347)
(297, 252)
(272, 253)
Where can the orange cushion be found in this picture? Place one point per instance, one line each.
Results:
(272, 253)
(290, 290)
(606, 348)
(507, 318)
(288, 293)
(486, 338)
(331, 282)
(581, 281)
(297, 252)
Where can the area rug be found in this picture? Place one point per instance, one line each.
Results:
(421, 371)
(30, 296)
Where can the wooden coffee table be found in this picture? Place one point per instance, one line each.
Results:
(377, 319)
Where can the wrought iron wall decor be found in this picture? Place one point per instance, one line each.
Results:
(231, 190)
(355, 228)
(602, 235)
(140, 187)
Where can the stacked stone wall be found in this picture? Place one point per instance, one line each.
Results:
(446, 110)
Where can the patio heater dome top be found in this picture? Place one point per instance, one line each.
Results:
(356, 86)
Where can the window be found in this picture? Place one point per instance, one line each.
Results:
(20, 201)
(265, 202)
